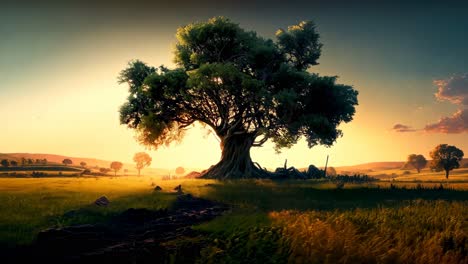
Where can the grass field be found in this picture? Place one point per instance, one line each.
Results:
(295, 221)
(425, 175)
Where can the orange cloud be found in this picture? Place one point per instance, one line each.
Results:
(457, 123)
(454, 89)
(403, 128)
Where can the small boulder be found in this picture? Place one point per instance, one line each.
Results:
(102, 201)
(157, 189)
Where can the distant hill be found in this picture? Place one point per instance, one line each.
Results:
(365, 167)
(91, 162)
(378, 166)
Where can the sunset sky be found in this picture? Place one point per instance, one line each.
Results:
(59, 66)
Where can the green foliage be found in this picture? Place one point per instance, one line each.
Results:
(446, 157)
(300, 44)
(255, 245)
(238, 83)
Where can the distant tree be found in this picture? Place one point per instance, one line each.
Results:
(14, 163)
(83, 164)
(104, 170)
(44, 161)
(331, 171)
(67, 162)
(30, 161)
(418, 162)
(23, 161)
(116, 166)
(446, 157)
(180, 170)
(5, 163)
(246, 88)
(142, 160)
(38, 161)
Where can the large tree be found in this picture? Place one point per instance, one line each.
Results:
(142, 160)
(418, 162)
(446, 157)
(245, 88)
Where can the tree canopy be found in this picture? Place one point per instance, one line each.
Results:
(67, 162)
(418, 162)
(116, 166)
(446, 157)
(180, 170)
(246, 88)
(142, 160)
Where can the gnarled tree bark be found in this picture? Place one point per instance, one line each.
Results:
(235, 162)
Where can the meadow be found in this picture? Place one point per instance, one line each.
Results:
(309, 221)
(425, 175)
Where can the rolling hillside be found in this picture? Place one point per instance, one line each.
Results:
(91, 162)
(372, 167)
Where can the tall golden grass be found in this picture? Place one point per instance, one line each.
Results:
(422, 232)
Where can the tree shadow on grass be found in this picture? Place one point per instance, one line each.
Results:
(295, 196)
(90, 214)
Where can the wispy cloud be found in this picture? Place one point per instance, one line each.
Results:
(457, 123)
(403, 128)
(455, 91)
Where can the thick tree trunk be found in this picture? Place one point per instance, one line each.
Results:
(447, 173)
(235, 160)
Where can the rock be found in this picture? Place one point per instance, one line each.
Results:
(102, 201)
(157, 189)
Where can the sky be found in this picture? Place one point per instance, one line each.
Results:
(59, 63)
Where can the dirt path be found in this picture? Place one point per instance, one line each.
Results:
(134, 236)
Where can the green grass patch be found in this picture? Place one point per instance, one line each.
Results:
(270, 221)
